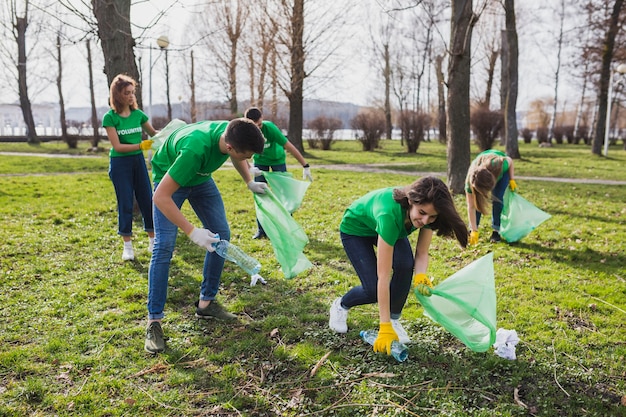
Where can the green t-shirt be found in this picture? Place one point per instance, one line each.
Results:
(190, 154)
(376, 213)
(128, 129)
(274, 148)
(494, 160)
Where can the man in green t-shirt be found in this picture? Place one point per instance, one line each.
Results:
(182, 171)
(273, 156)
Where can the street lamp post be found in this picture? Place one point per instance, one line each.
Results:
(621, 69)
(162, 42)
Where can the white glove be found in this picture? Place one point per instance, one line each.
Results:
(203, 238)
(257, 187)
(306, 173)
(257, 278)
(255, 171)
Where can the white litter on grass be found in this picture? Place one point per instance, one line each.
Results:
(505, 343)
(257, 278)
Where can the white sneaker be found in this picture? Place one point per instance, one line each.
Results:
(128, 254)
(403, 337)
(338, 317)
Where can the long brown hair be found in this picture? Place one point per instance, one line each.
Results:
(119, 83)
(431, 190)
(481, 177)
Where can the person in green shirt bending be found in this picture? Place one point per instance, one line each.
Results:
(374, 232)
(124, 124)
(273, 156)
(487, 178)
(182, 170)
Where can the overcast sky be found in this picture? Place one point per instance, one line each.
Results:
(357, 82)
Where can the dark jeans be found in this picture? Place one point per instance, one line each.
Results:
(362, 254)
(261, 178)
(206, 201)
(130, 179)
(497, 195)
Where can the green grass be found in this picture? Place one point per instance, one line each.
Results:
(72, 314)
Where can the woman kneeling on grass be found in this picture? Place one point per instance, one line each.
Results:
(383, 219)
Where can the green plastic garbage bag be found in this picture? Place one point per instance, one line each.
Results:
(286, 235)
(465, 304)
(165, 133)
(519, 217)
(288, 190)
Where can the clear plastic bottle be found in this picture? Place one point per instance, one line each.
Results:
(398, 350)
(235, 254)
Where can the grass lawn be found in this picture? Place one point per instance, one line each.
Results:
(72, 313)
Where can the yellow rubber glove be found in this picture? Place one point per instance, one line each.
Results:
(386, 335)
(146, 144)
(473, 237)
(512, 185)
(422, 284)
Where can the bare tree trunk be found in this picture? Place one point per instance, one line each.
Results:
(21, 23)
(557, 73)
(192, 85)
(605, 76)
(167, 86)
(72, 144)
(512, 76)
(94, 112)
(232, 79)
(461, 26)
(493, 58)
(296, 93)
(274, 72)
(251, 66)
(113, 18)
(387, 76)
(441, 100)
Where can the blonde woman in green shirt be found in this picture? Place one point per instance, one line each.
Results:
(374, 232)
(125, 124)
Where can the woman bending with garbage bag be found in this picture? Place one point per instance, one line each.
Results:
(487, 179)
(374, 232)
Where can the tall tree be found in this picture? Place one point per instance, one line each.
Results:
(295, 95)
(15, 25)
(510, 80)
(441, 100)
(226, 22)
(92, 99)
(382, 40)
(59, 83)
(461, 26)
(605, 76)
(557, 71)
(113, 17)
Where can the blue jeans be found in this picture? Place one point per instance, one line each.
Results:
(261, 178)
(206, 202)
(497, 199)
(130, 179)
(360, 251)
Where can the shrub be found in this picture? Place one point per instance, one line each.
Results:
(558, 134)
(527, 135)
(581, 133)
(413, 124)
(370, 124)
(542, 135)
(486, 125)
(323, 131)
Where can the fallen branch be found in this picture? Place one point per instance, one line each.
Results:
(555, 363)
(319, 364)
